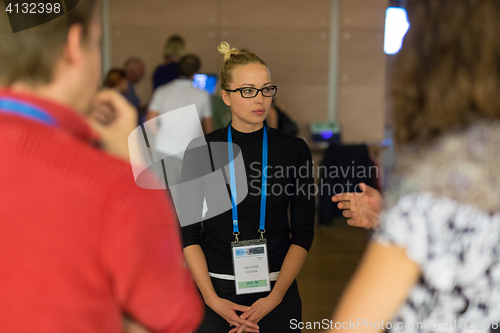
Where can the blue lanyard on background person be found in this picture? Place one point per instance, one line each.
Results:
(263, 190)
(12, 106)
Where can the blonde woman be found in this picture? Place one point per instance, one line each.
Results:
(262, 216)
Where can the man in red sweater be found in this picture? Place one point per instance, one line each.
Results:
(81, 245)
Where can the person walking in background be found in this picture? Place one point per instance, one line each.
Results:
(434, 262)
(134, 71)
(170, 138)
(248, 91)
(168, 71)
(82, 246)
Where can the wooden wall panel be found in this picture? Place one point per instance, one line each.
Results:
(292, 36)
(161, 13)
(364, 14)
(363, 58)
(361, 105)
(147, 43)
(362, 115)
(275, 13)
(294, 56)
(308, 102)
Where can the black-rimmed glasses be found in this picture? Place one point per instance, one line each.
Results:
(249, 92)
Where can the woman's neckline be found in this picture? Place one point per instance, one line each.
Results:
(247, 139)
(241, 130)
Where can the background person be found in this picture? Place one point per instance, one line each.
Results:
(435, 257)
(78, 247)
(248, 91)
(116, 79)
(170, 137)
(134, 71)
(174, 49)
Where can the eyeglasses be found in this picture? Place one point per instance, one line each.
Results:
(249, 92)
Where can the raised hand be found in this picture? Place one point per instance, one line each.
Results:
(361, 209)
(113, 118)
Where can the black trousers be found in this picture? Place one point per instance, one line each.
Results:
(276, 321)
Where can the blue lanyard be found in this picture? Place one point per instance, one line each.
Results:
(12, 106)
(263, 190)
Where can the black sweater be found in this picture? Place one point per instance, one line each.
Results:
(286, 156)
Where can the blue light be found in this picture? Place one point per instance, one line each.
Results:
(396, 27)
(326, 134)
(200, 81)
(207, 82)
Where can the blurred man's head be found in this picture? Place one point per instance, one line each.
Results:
(60, 59)
(189, 65)
(134, 69)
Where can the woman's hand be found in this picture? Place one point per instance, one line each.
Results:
(257, 311)
(227, 310)
(362, 209)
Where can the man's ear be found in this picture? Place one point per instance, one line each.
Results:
(73, 52)
(225, 97)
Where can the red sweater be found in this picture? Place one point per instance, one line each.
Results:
(80, 242)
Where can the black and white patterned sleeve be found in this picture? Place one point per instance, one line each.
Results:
(408, 225)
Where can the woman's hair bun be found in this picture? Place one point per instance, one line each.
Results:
(227, 51)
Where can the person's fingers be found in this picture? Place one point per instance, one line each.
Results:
(112, 97)
(243, 329)
(247, 314)
(104, 113)
(240, 308)
(121, 107)
(344, 205)
(234, 317)
(354, 214)
(342, 197)
(249, 324)
(96, 126)
(368, 190)
(347, 213)
(352, 222)
(253, 317)
(247, 329)
(235, 328)
(130, 326)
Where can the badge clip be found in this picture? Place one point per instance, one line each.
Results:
(262, 234)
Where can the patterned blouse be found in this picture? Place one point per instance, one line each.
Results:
(444, 209)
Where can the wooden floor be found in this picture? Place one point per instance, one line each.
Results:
(332, 259)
